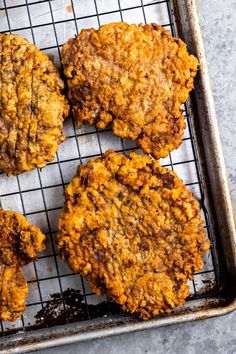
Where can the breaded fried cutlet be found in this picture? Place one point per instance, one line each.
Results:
(135, 77)
(32, 106)
(19, 244)
(134, 230)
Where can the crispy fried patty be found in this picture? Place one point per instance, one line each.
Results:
(32, 107)
(19, 244)
(136, 77)
(134, 229)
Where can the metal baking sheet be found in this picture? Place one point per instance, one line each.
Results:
(39, 194)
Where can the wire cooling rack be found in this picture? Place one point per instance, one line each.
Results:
(39, 194)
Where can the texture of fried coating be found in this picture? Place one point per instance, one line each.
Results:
(19, 244)
(32, 106)
(136, 77)
(134, 230)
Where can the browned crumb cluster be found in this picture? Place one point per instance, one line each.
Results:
(19, 244)
(134, 229)
(136, 77)
(32, 107)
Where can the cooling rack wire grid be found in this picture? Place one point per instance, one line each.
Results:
(39, 194)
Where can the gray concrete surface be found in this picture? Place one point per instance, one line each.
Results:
(218, 22)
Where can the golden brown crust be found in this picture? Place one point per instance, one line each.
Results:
(19, 244)
(136, 77)
(134, 229)
(32, 107)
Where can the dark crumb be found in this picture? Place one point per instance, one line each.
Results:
(70, 306)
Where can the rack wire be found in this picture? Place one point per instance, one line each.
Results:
(39, 194)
